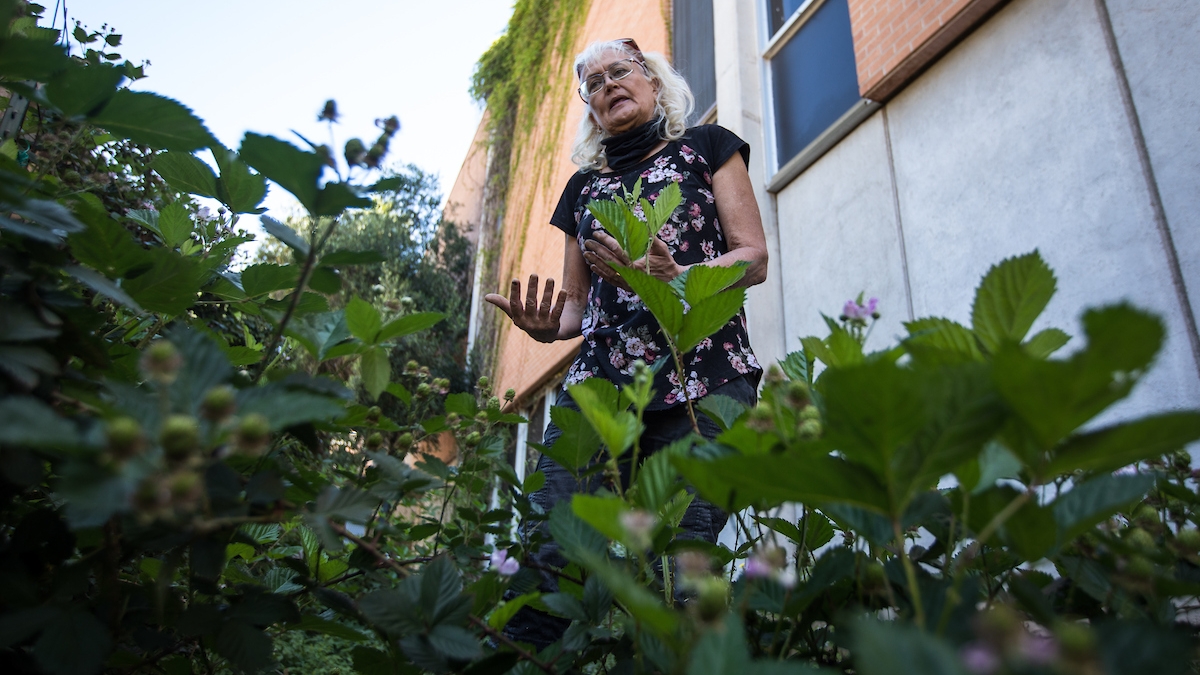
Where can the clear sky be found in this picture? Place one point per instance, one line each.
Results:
(269, 65)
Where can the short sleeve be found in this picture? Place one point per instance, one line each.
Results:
(720, 144)
(564, 214)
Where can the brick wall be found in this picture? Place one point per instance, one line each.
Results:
(895, 39)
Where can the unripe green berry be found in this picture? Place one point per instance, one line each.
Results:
(472, 439)
(186, 488)
(509, 394)
(1075, 638)
(412, 367)
(253, 433)
(493, 403)
(798, 394)
(452, 419)
(1139, 567)
(774, 375)
(874, 576)
(219, 403)
(373, 414)
(375, 441)
(481, 417)
(810, 429)
(405, 441)
(761, 418)
(1140, 540)
(180, 437)
(151, 496)
(1146, 513)
(712, 597)
(125, 437)
(423, 390)
(161, 362)
(483, 382)
(1189, 539)
(810, 413)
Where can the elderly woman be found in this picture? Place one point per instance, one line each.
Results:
(634, 128)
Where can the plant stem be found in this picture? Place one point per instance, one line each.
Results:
(310, 263)
(503, 639)
(910, 574)
(370, 548)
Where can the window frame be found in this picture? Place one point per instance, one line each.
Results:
(781, 174)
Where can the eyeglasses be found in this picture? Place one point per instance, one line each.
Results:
(615, 71)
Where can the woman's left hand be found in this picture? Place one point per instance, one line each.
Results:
(603, 249)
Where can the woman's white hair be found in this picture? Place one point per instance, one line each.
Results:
(674, 103)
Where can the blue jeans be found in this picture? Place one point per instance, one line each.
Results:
(702, 520)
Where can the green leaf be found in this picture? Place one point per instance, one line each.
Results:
(669, 199)
(316, 624)
(368, 661)
(265, 278)
(105, 245)
(1046, 342)
(1090, 502)
(1053, 398)
(363, 320)
(658, 297)
(995, 462)
(462, 403)
(644, 606)
(612, 217)
(75, 643)
(722, 649)
(30, 59)
(80, 90)
(455, 643)
(170, 285)
(186, 172)
(816, 348)
(344, 258)
(533, 482)
(1123, 444)
(337, 197)
(657, 479)
(708, 316)
(872, 410)
(346, 504)
(722, 410)
(409, 324)
(395, 611)
(441, 589)
(1011, 296)
(502, 614)
(286, 407)
(293, 169)
(617, 431)
(704, 281)
(239, 188)
(157, 121)
(1137, 648)
(285, 234)
(578, 442)
(99, 283)
(935, 340)
(174, 224)
(887, 648)
(245, 646)
(325, 280)
(576, 538)
(602, 513)
(735, 482)
(318, 333)
(376, 371)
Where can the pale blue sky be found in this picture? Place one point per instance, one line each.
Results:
(269, 65)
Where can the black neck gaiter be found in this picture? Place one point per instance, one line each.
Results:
(627, 149)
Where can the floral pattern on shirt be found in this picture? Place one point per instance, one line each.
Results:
(617, 328)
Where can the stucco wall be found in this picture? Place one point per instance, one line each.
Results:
(1017, 139)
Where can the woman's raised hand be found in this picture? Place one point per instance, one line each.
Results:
(540, 321)
(602, 249)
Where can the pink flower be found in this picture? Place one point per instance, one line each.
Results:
(758, 568)
(854, 311)
(504, 566)
(979, 659)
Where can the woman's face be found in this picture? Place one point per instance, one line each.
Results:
(624, 104)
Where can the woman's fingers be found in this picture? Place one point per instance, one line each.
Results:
(499, 301)
(556, 313)
(514, 300)
(547, 297)
(531, 295)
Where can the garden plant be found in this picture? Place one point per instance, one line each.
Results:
(213, 468)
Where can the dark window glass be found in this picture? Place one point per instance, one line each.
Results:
(781, 11)
(692, 44)
(814, 77)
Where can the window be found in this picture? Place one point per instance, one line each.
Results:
(692, 49)
(813, 80)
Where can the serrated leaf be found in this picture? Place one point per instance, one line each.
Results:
(102, 285)
(105, 245)
(285, 234)
(22, 58)
(617, 431)
(291, 168)
(171, 284)
(1088, 503)
(658, 297)
(578, 443)
(363, 320)
(441, 586)
(722, 410)
(455, 643)
(376, 371)
(174, 224)
(502, 614)
(887, 648)
(708, 316)
(81, 89)
(239, 188)
(153, 120)
(602, 513)
(265, 278)
(408, 324)
(1010, 298)
(576, 538)
(337, 197)
(316, 624)
(186, 172)
(611, 217)
(704, 281)
(319, 333)
(1123, 444)
(735, 482)
(657, 480)
(938, 340)
(346, 504)
(1046, 342)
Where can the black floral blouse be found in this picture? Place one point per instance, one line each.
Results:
(617, 327)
